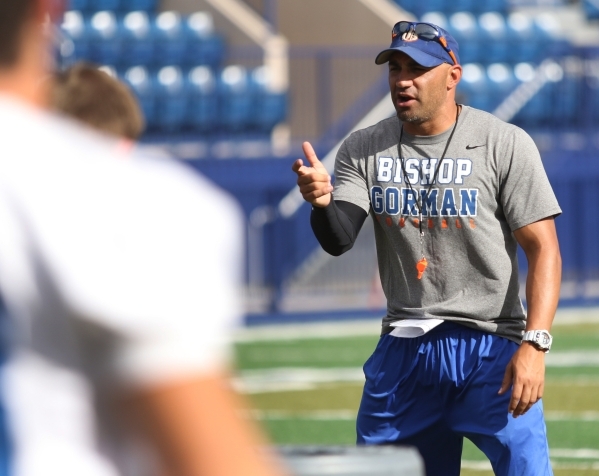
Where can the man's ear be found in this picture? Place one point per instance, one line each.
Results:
(454, 74)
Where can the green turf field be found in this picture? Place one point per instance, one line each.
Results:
(306, 389)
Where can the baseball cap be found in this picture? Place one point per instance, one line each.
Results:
(423, 42)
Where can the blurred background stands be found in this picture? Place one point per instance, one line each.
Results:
(244, 79)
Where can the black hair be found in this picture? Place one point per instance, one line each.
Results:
(13, 15)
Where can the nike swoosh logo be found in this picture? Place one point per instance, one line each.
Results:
(475, 146)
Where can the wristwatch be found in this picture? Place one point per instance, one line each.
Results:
(541, 339)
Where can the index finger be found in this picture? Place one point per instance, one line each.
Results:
(310, 154)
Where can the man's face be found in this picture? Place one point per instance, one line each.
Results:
(418, 92)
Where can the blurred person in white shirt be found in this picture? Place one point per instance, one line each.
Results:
(118, 284)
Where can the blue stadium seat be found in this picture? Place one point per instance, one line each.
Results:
(493, 6)
(537, 109)
(432, 5)
(591, 9)
(546, 25)
(566, 84)
(204, 46)
(136, 35)
(74, 28)
(170, 39)
(235, 99)
(493, 35)
(108, 5)
(270, 105)
(464, 28)
(143, 5)
(79, 5)
(105, 45)
(501, 83)
(140, 81)
(522, 39)
(436, 18)
(473, 88)
(171, 99)
(92, 6)
(462, 6)
(202, 112)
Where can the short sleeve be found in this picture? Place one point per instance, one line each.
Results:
(526, 195)
(350, 181)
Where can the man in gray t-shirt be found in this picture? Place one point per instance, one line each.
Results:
(452, 191)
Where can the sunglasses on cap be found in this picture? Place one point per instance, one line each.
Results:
(423, 31)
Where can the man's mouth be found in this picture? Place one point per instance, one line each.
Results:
(404, 100)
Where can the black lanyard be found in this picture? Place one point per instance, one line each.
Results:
(419, 198)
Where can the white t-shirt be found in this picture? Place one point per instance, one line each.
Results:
(117, 274)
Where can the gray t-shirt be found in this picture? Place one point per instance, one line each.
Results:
(491, 182)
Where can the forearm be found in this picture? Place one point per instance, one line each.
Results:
(543, 286)
(337, 225)
(539, 242)
(196, 427)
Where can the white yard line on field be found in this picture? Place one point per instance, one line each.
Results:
(288, 379)
(291, 378)
(572, 359)
(310, 330)
(346, 414)
(486, 466)
(326, 415)
(372, 327)
(571, 416)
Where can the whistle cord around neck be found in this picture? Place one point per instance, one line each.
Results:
(420, 198)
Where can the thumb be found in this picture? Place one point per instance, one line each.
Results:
(311, 156)
(507, 380)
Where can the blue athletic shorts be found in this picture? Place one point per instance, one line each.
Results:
(432, 391)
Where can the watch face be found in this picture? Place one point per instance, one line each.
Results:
(544, 339)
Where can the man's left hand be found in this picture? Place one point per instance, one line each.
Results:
(525, 373)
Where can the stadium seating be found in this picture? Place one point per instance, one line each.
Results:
(204, 46)
(91, 6)
(104, 39)
(174, 65)
(270, 105)
(171, 99)
(169, 37)
(152, 40)
(136, 33)
(496, 38)
(140, 81)
(75, 32)
(236, 98)
(420, 7)
(591, 8)
(203, 101)
(568, 95)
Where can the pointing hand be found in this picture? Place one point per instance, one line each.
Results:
(313, 180)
